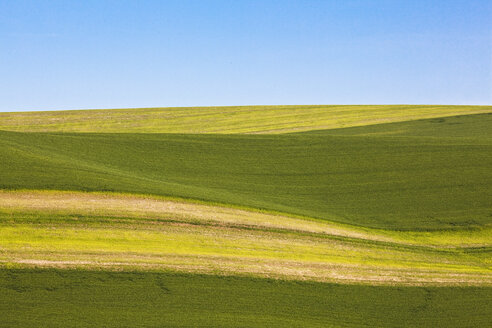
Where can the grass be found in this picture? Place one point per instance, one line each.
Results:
(141, 207)
(121, 232)
(82, 298)
(475, 126)
(383, 181)
(245, 119)
(314, 216)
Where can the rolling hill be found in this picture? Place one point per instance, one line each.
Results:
(225, 120)
(318, 216)
(373, 179)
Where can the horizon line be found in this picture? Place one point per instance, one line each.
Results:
(225, 106)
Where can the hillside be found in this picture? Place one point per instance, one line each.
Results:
(226, 120)
(286, 216)
(374, 179)
(82, 298)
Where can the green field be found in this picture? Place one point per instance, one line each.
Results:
(87, 230)
(225, 120)
(340, 216)
(380, 180)
(66, 298)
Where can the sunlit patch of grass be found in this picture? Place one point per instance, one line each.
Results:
(399, 182)
(95, 230)
(246, 119)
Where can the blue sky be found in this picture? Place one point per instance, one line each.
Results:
(114, 54)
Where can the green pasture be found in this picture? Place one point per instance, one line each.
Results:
(48, 234)
(81, 298)
(402, 182)
(238, 119)
(258, 216)
(477, 126)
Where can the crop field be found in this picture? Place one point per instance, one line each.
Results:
(82, 298)
(224, 120)
(276, 216)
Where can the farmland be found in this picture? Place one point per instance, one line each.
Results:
(80, 298)
(247, 216)
(225, 120)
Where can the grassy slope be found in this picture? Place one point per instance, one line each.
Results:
(136, 207)
(246, 119)
(124, 231)
(415, 173)
(405, 181)
(52, 298)
(477, 126)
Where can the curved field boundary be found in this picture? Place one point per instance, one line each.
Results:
(114, 231)
(240, 119)
(152, 207)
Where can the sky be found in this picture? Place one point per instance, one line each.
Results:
(121, 54)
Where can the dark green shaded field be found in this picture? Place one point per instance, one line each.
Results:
(414, 175)
(51, 298)
(477, 126)
(414, 180)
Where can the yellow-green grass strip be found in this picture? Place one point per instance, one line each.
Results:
(114, 231)
(186, 211)
(239, 119)
(235, 251)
